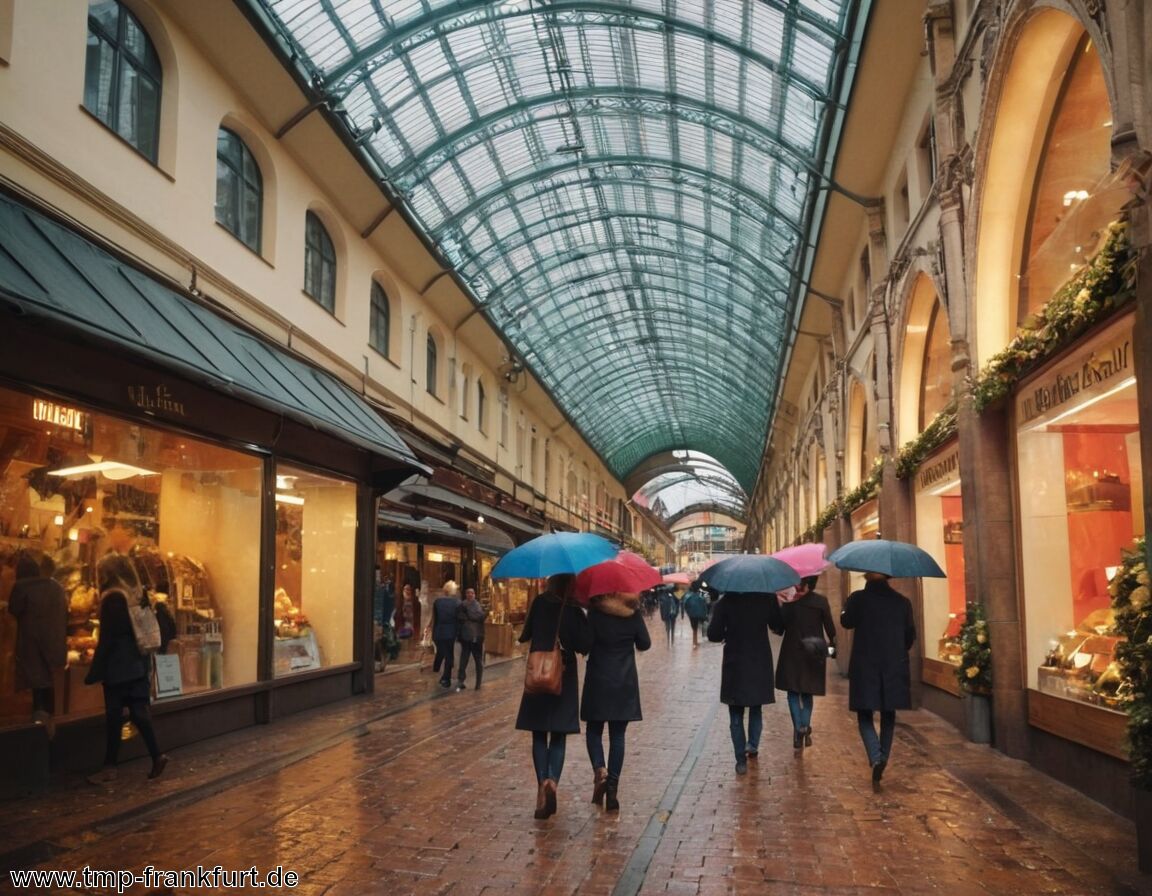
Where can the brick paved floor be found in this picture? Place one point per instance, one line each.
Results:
(420, 791)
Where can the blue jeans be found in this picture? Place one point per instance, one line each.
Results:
(548, 754)
(879, 747)
(800, 708)
(594, 735)
(740, 743)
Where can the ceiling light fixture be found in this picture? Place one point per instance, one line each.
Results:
(110, 469)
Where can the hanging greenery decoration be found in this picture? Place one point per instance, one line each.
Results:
(1133, 610)
(1101, 286)
(935, 434)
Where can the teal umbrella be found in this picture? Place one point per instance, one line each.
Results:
(554, 553)
(897, 559)
(750, 573)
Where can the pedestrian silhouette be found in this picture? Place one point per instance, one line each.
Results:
(470, 616)
(879, 676)
(809, 635)
(612, 687)
(444, 631)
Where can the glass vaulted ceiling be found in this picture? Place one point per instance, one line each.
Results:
(627, 188)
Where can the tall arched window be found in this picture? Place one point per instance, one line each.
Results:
(122, 76)
(239, 189)
(936, 384)
(379, 320)
(431, 358)
(481, 407)
(319, 263)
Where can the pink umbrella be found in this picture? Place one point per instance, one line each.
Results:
(678, 578)
(806, 559)
(627, 573)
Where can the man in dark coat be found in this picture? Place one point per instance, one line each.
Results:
(879, 675)
(803, 655)
(551, 718)
(41, 610)
(742, 622)
(612, 687)
(444, 631)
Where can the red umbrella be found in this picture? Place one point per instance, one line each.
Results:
(627, 573)
(678, 578)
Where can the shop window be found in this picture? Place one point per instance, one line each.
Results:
(122, 76)
(94, 497)
(1081, 501)
(314, 604)
(319, 263)
(940, 531)
(239, 189)
(380, 321)
(431, 358)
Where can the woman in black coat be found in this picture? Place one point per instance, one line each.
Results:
(551, 718)
(879, 675)
(123, 670)
(612, 687)
(803, 654)
(742, 622)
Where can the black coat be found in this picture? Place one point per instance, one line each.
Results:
(742, 621)
(547, 712)
(879, 675)
(611, 685)
(800, 669)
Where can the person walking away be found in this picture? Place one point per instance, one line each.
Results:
(383, 608)
(809, 639)
(41, 609)
(552, 717)
(696, 609)
(742, 622)
(470, 616)
(611, 687)
(123, 670)
(879, 675)
(669, 611)
(444, 632)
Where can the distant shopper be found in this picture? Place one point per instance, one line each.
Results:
(696, 609)
(124, 672)
(383, 609)
(611, 687)
(470, 616)
(809, 635)
(879, 676)
(742, 622)
(444, 631)
(41, 609)
(551, 718)
(669, 612)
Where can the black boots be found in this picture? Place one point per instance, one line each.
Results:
(599, 786)
(611, 804)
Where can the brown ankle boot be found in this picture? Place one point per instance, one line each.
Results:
(611, 804)
(549, 797)
(541, 802)
(599, 783)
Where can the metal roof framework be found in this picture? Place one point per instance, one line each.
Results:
(627, 189)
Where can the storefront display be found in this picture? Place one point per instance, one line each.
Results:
(1080, 480)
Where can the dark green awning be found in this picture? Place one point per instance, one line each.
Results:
(50, 271)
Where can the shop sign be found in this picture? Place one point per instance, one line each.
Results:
(59, 415)
(1095, 367)
(939, 470)
(156, 399)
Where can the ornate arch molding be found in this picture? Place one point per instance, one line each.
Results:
(1024, 44)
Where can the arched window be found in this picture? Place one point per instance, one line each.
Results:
(481, 407)
(319, 263)
(936, 384)
(122, 76)
(239, 189)
(465, 396)
(430, 370)
(379, 320)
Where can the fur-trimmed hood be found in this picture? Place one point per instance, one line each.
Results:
(617, 604)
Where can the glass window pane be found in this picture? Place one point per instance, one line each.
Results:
(315, 566)
(100, 65)
(226, 195)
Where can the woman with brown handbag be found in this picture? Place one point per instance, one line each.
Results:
(552, 717)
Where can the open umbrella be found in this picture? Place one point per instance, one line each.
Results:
(626, 572)
(750, 573)
(552, 554)
(678, 578)
(806, 559)
(897, 559)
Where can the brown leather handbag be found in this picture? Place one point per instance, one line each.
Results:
(544, 670)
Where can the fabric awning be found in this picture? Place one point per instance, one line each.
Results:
(51, 272)
(424, 494)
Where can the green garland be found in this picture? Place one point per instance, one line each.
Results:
(975, 670)
(1133, 609)
(1101, 286)
(935, 434)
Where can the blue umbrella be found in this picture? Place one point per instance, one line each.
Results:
(754, 573)
(554, 553)
(892, 558)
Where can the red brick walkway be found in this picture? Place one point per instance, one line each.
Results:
(421, 791)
